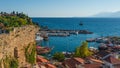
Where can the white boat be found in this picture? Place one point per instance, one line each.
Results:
(92, 48)
(39, 38)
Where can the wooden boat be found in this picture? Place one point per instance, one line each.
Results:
(43, 50)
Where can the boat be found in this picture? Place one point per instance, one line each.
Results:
(43, 50)
(91, 40)
(81, 24)
(38, 37)
(92, 48)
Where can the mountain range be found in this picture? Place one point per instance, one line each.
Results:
(108, 14)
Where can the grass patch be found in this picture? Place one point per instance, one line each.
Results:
(9, 62)
(30, 53)
(1, 63)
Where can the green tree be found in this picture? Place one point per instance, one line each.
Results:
(13, 12)
(77, 52)
(83, 51)
(59, 56)
(15, 19)
(1, 12)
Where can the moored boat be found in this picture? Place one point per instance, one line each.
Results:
(81, 24)
(43, 50)
(90, 40)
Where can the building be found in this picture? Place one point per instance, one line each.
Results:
(82, 63)
(111, 62)
(43, 63)
(73, 63)
(93, 65)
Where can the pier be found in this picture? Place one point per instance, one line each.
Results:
(61, 33)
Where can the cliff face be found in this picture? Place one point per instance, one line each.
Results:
(14, 43)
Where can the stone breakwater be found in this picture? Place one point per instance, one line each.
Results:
(63, 33)
(19, 38)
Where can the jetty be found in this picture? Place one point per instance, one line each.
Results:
(62, 33)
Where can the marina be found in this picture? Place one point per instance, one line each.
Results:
(66, 40)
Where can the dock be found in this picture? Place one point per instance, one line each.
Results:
(62, 33)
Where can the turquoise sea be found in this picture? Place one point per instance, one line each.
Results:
(100, 27)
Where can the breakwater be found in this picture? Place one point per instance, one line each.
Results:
(63, 33)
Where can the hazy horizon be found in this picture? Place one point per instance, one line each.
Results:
(60, 8)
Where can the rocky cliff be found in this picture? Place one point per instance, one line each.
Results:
(13, 45)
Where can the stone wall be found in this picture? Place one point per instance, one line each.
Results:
(19, 38)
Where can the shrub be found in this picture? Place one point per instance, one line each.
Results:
(59, 56)
(13, 63)
(30, 54)
(10, 62)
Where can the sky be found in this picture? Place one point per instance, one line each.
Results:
(60, 8)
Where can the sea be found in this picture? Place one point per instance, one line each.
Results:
(99, 26)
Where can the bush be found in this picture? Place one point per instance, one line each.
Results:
(16, 20)
(1, 63)
(30, 54)
(13, 63)
(10, 62)
(59, 56)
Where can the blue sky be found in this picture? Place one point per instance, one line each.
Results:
(60, 8)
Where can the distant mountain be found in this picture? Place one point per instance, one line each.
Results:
(108, 14)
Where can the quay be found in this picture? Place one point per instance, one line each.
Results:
(45, 33)
(64, 33)
(67, 31)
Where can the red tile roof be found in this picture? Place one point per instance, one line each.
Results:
(112, 60)
(71, 63)
(98, 65)
(95, 60)
(41, 59)
(79, 60)
(50, 66)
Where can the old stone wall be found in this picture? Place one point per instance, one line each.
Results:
(19, 38)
